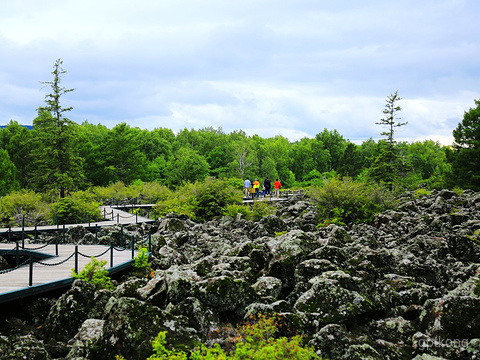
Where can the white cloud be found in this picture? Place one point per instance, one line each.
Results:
(292, 67)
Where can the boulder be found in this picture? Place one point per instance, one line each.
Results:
(90, 332)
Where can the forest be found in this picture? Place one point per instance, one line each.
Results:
(59, 157)
(72, 157)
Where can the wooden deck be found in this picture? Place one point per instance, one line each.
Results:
(53, 272)
(113, 216)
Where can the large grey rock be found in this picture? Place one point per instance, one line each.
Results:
(78, 304)
(90, 332)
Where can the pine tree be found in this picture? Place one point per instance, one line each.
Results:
(58, 167)
(388, 165)
(465, 155)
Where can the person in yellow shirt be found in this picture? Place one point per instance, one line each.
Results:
(256, 186)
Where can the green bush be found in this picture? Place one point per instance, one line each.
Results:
(96, 274)
(80, 207)
(201, 201)
(145, 193)
(23, 203)
(140, 263)
(260, 209)
(421, 192)
(345, 201)
(255, 340)
(234, 209)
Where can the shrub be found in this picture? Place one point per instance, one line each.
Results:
(23, 203)
(145, 193)
(116, 191)
(234, 209)
(345, 201)
(422, 192)
(140, 263)
(255, 340)
(201, 201)
(261, 209)
(95, 273)
(258, 210)
(80, 207)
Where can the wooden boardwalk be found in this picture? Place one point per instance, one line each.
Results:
(53, 272)
(113, 216)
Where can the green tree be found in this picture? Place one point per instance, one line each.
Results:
(351, 161)
(245, 159)
(335, 144)
(465, 156)
(58, 166)
(91, 140)
(186, 166)
(429, 162)
(124, 161)
(18, 142)
(8, 182)
(388, 166)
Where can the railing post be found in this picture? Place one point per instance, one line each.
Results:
(35, 234)
(118, 218)
(17, 255)
(111, 253)
(30, 273)
(63, 234)
(133, 248)
(149, 241)
(96, 234)
(113, 216)
(23, 232)
(9, 233)
(76, 259)
(136, 217)
(56, 220)
(56, 245)
(121, 235)
(104, 213)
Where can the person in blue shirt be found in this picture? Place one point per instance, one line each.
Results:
(246, 187)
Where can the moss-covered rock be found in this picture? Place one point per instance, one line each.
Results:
(452, 317)
(332, 298)
(22, 347)
(129, 329)
(268, 286)
(225, 294)
(89, 333)
(81, 302)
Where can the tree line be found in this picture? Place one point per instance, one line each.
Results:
(62, 156)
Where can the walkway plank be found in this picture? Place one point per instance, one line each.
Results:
(114, 216)
(18, 279)
(55, 271)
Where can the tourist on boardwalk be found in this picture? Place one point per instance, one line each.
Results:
(252, 192)
(277, 185)
(256, 186)
(267, 185)
(246, 187)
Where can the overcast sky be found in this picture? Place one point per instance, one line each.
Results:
(280, 67)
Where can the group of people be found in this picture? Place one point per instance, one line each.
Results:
(253, 189)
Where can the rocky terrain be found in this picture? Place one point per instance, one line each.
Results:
(405, 287)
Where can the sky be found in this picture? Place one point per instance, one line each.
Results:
(283, 67)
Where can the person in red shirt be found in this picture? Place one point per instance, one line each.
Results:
(277, 186)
